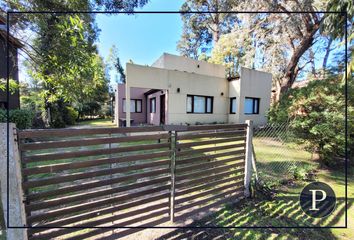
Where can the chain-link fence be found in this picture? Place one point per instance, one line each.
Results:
(278, 156)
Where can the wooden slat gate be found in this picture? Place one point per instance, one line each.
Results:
(104, 178)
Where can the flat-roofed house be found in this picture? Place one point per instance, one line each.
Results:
(179, 90)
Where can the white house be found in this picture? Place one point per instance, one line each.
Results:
(180, 90)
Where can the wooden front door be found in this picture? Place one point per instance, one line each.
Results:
(162, 109)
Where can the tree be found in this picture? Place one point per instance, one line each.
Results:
(114, 61)
(282, 44)
(237, 48)
(203, 30)
(62, 56)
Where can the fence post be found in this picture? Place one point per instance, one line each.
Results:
(248, 158)
(173, 172)
(16, 211)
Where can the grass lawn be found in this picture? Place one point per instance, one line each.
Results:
(107, 122)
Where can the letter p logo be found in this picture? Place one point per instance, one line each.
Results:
(317, 200)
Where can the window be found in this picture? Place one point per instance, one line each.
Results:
(152, 105)
(252, 105)
(135, 105)
(233, 105)
(199, 104)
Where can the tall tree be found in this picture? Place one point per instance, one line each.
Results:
(63, 54)
(114, 61)
(204, 30)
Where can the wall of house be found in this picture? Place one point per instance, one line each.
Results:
(154, 118)
(15, 97)
(252, 83)
(256, 84)
(184, 64)
(196, 84)
(234, 91)
(188, 83)
(135, 93)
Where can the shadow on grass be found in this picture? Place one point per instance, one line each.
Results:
(284, 211)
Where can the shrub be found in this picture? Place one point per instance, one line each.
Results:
(303, 172)
(70, 115)
(38, 121)
(316, 117)
(21, 117)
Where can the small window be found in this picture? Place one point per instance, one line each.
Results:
(152, 105)
(252, 105)
(233, 105)
(135, 105)
(199, 104)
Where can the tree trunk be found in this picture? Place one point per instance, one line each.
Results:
(291, 72)
(312, 60)
(328, 50)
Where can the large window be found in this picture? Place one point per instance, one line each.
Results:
(152, 105)
(233, 105)
(251, 105)
(199, 104)
(135, 105)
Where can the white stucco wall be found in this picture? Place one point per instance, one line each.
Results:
(196, 84)
(256, 84)
(252, 83)
(234, 91)
(189, 83)
(184, 64)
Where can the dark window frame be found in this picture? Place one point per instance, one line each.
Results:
(151, 100)
(136, 105)
(253, 100)
(232, 98)
(206, 104)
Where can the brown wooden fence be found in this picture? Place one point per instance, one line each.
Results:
(127, 177)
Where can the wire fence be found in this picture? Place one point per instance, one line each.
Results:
(279, 157)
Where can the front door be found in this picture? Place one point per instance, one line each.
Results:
(162, 109)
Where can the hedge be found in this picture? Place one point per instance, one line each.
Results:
(21, 117)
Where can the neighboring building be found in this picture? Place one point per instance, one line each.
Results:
(13, 47)
(180, 90)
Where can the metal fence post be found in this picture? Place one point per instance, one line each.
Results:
(248, 159)
(173, 172)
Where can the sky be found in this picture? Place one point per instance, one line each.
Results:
(141, 38)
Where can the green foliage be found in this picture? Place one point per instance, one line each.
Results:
(70, 115)
(201, 30)
(317, 114)
(71, 71)
(114, 61)
(22, 118)
(303, 172)
(13, 85)
(334, 23)
(64, 61)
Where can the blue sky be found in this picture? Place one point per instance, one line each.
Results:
(141, 37)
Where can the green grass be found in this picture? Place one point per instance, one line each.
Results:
(275, 160)
(107, 122)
